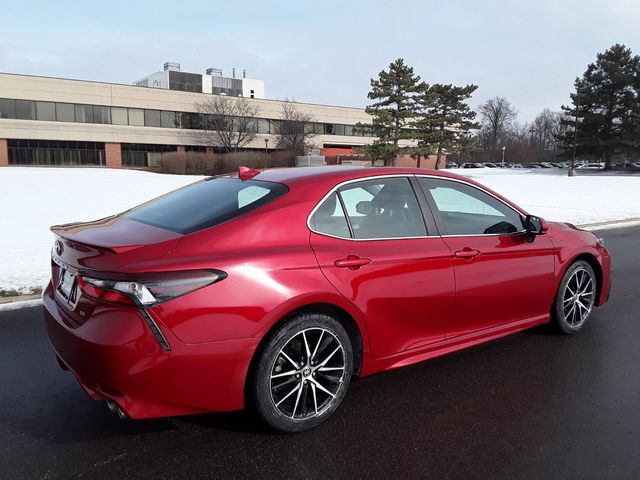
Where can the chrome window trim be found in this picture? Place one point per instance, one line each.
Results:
(408, 176)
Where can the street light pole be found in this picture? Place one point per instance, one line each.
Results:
(266, 145)
(503, 150)
(572, 170)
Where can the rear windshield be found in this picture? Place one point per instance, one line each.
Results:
(206, 203)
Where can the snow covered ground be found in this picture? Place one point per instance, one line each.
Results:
(32, 199)
(552, 195)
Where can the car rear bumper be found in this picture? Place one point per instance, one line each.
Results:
(114, 355)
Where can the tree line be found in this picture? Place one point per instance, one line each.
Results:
(601, 123)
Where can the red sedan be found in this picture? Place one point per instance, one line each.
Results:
(274, 288)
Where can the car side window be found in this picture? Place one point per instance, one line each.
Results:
(383, 208)
(329, 218)
(466, 210)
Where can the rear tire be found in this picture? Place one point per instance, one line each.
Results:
(303, 372)
(575, 298)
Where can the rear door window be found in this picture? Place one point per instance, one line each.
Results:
(206, 203)
(383, 208)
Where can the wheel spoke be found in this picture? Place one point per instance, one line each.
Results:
(289, 358)
(315, 399)
(284, 374)
(319, 385)
(587, 286)
(306, 346)
(329, 369)
(288, 394)
(573, 317)
(295, 407)
(315, 350)
(329, 357)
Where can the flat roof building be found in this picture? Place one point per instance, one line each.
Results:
(55, 121)
(172, 78)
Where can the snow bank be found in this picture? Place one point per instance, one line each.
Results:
(555, 196)
(33, 199)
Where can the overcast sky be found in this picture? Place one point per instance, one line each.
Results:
(325, 51)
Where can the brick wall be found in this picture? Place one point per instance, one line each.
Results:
(113, 154)
(4, 153)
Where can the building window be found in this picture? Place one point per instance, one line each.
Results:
(7, 108)
(101, 114)
(65, 112)
(119, 116)
(152, 118)
(136, 117)
(25, 110)
(169, 119)
(46, 111)
(84, 113)
(144, 155)
(50, 152)
(195, 148)
(263, 125)
(192, 121)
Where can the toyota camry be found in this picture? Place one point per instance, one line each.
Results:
(274, 289)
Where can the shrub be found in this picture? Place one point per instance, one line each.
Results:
(195, 163)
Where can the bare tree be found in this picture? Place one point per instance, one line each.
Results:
(295, 129)
(496, 114)
(230, 123)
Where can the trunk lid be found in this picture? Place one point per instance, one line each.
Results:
(101, 246)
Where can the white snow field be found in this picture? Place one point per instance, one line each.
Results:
(32, 199)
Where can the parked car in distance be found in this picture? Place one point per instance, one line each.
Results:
(272, 289)
(590, 166)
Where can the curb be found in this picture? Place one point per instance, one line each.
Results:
(627, 222)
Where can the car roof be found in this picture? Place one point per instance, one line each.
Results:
(337, 174)
(324, 178)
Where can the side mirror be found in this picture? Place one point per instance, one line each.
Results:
(534, 226)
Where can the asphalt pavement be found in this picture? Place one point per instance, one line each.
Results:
(535, 405)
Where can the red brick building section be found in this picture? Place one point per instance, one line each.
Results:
(113, 154)
(4, 153)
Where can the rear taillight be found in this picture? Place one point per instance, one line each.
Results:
(150, 290)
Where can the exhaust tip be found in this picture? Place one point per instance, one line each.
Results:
(115, 408)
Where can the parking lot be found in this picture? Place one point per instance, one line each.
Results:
(533, 405)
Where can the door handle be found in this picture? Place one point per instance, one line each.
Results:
(467, 253)
(352, 262)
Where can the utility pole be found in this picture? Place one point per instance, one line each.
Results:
(572, 170)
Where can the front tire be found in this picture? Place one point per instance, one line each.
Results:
(575, 298)
(303, 372)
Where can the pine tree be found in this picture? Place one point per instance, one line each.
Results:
(395, 93)
(445, 120)
(608, 113)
